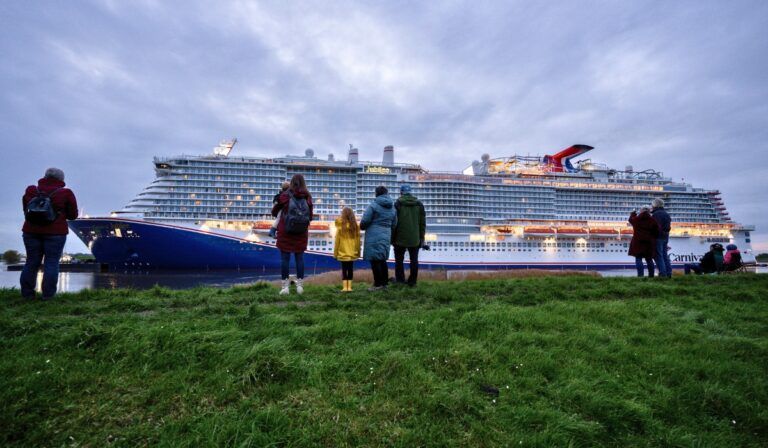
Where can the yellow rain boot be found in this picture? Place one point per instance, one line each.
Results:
(349, 285)
(343, 286)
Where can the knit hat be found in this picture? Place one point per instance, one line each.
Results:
(405, 189)
(731, 247)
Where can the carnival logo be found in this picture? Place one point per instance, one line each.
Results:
(684, 258)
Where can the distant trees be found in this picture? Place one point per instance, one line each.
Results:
(11, 256)
(762, 257)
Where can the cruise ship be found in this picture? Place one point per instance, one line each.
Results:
(552, 212)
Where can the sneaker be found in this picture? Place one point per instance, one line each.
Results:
(375, 288)
(285, 289)
(299, 286)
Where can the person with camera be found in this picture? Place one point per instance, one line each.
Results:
(408, 235)
(47, 207)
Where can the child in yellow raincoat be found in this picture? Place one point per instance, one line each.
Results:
(346, 247)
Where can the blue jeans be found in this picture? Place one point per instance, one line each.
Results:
(662, 258)
(285, 261)
(639, 266)
(39, 247)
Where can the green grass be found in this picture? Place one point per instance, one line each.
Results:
(578, 361)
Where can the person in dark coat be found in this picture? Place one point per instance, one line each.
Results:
(409, 234)
(290, 243)
(643, 245)
(44, 243)
(710, 263)
(663, 263)
(378, 222)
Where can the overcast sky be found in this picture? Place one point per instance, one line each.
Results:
(99, 88)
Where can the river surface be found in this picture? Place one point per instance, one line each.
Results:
(76, 281)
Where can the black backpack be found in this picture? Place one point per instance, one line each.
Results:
(40, 209)
(297, 217)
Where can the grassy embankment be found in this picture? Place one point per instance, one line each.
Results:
(579, 361)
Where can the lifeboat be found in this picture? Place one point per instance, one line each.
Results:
(627, 233)
(603, 231)
(539, 231)
(571, 231)
(314, 227)
(319, 227)
(261, 225)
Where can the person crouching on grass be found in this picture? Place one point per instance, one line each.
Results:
(346, 247)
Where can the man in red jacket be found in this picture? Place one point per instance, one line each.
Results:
(46, 241)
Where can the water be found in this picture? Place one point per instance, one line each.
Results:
(76, 281)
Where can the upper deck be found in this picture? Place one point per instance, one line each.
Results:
(223, 187)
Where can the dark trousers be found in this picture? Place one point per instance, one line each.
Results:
(285, 261)
(41, 247)
(695, 267)
(346, 270)
(413, 256)
(380, 272)
(639, 266)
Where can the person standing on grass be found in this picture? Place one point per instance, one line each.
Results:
(663, 263)
(346, 246)
(294, 206)
(408, 234)
(47, 207)
(378, 222)
(645, 230)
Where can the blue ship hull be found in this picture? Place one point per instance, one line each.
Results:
(127, 244)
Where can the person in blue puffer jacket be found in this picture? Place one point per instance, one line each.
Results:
(379, 219)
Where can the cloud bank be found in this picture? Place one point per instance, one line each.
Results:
(100, 88)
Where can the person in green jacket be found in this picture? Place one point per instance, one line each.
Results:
(408, 235)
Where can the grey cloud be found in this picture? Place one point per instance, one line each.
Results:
(100, 88)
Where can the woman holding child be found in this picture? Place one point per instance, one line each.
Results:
(643, 244)
(294, 208)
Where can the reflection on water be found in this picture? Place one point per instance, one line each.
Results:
(76, 281)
